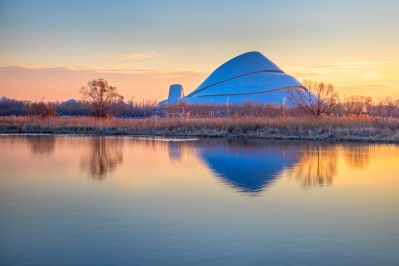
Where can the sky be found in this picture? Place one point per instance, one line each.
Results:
(50, 48)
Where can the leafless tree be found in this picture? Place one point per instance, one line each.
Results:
(42, 109)
(104, 157)
(356, 105)
(101, 95)
(316, 99)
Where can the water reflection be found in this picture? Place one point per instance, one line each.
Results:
(168, 200)
(318, 162)
(248, 166)
(357, 156)
(317, 165)
(41, 145)
(104, 156)
(174, 150)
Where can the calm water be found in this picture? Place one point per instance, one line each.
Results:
(70, 200)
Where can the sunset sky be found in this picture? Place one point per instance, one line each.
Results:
(51, 48)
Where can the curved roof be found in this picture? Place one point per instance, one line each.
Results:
(269, 97)
(247, 77)
(248, 73)
(255, 83)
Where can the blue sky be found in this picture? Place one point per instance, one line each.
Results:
(197, 36)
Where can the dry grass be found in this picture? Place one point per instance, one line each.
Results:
(327, 128)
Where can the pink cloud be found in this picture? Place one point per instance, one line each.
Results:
(33, 83)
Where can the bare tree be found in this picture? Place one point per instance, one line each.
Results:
(316, 99)
(42, 109)
(357, 104)
(101, 95)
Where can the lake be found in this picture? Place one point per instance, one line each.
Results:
(87, 200)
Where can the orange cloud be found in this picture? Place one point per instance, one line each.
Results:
(378, 79)
(64, 83)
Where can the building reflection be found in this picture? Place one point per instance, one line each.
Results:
(104, 156)
(248, 166)
(251, 166)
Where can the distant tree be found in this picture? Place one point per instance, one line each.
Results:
(101, 95)
(357, 105)
(13, 107)
(390, 107)
(318, 98)
(42, 109)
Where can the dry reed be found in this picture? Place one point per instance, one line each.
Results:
(352, 128)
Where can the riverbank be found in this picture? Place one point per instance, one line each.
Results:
(366, 129)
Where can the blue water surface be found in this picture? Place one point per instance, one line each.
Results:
(76, 200)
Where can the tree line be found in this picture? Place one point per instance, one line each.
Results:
(103, 100)
(10, 107)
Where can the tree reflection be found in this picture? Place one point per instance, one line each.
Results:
(41, 145)
(105, 154)
(174, 150)
(357, 156)
(317, 165)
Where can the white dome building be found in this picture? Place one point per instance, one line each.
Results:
(249, 77)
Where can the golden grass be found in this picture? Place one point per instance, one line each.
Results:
(359, 128)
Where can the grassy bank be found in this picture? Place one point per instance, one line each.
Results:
(369, 129)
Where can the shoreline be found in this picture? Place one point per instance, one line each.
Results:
(173, 138)
(359, 129)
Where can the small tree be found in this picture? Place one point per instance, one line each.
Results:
(316, 99)
(41, 109)
(357, 104)
(101, 96)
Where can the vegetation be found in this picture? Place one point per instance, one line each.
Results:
(317, 113)
(318, 98)
(354, 105)
(101, 96)
(349, 128)
(10, 107)
(102, 100)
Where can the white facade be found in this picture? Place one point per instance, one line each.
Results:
(176, 93)
(249, 77)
